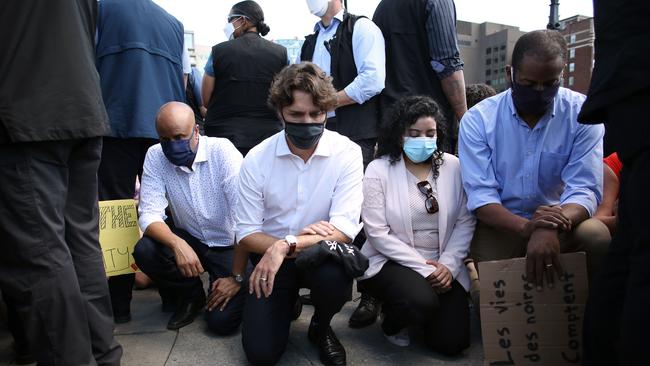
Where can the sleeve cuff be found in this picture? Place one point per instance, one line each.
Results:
(145, 220)
(589, 203)
(241, 234)
(354, 93)
(346, 227)
(480, 200)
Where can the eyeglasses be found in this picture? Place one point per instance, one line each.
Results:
(234, 17)
(431, 204)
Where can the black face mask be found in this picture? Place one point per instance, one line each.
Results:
(527, 100)
(304, 135)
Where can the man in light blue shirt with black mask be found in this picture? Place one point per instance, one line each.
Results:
(533, 174)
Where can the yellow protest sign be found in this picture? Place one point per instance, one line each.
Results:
(118, 234)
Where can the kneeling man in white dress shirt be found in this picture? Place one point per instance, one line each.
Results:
(196, 176)
(297, 188)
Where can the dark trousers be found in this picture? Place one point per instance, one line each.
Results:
(51, 267)
(121, 163)
(409, 300)
(159, 263)
(616, 317)
(265, 330)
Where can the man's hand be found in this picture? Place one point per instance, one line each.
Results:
(186, 260)
(322, 228)
(263, 276)
(223, 289)
(546, 217)
(542, 257)
(441, 278)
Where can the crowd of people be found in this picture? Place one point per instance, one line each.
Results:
(359, 161)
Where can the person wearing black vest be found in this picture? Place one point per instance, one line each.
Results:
(237, 80)
(616, 317)
(350, 49)
(422, 57)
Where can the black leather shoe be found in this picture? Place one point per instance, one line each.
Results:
(366, 313)
(186, 312)
(297, 309)
(330, 349)
(122, 318)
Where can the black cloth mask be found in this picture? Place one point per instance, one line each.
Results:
(304, 135)
(528, 100)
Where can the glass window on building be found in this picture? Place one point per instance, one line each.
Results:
(488, 51)
(488, 72)
(572, 67)
(573, 38)
(503, 58)
(503, 47)
(495, 49)
(488, 61)
(572, 53)
(571, 80)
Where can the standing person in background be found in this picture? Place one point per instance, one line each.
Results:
(350, 48)
(616, 317)
(142, 63)
(475, 93)
(51, 123)
(237, 78)
(422, 57)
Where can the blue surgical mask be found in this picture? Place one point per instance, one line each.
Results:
(179, 152)
(419, 149)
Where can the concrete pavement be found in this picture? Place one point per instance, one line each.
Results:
(147, 342)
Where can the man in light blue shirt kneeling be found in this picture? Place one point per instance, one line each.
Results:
(533, 174)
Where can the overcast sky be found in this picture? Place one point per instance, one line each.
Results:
(291, 18)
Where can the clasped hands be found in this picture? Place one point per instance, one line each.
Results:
(543, 250)
(263, 277)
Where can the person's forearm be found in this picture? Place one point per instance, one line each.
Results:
(257, 242)
(160, 232)
(454, 88)
(497, 216)
(305, 241)
(575, 212)
(239, 260)
(343, 99)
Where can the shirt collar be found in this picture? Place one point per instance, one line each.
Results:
(201, 155)
(322, 149)
(339, 16)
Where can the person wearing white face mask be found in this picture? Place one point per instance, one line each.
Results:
(237, 78)
(418, 230)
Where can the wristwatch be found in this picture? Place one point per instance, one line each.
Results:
(238, 278)
(292, 242)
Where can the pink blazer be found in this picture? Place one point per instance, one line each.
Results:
(387, 219)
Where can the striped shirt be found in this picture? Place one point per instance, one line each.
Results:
(441, 35)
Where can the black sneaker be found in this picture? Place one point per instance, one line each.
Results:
(366, 313)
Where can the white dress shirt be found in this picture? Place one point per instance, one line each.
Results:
(202, 199)
(280, 194)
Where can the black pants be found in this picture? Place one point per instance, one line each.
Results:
(51, 267)
(159, 263)
(265, 330)
(121, 163)
(409, 300)
(616, 317)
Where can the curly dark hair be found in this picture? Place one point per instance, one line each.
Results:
(474, 93)
(403, 114)
(307, 77)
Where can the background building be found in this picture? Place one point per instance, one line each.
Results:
(293, 47)
(486, 49)
(579, 34)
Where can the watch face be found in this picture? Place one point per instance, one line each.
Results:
(239, 278)
(291, 239)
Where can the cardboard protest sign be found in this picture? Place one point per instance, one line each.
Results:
(521, 326)
(118, 234)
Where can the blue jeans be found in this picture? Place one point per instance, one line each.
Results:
(159, 263)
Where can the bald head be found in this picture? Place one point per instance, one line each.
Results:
(174, 119)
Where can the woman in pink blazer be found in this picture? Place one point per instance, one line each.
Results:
(418, 229)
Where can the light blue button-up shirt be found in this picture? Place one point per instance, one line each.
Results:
(368, 49)
(504, 161)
